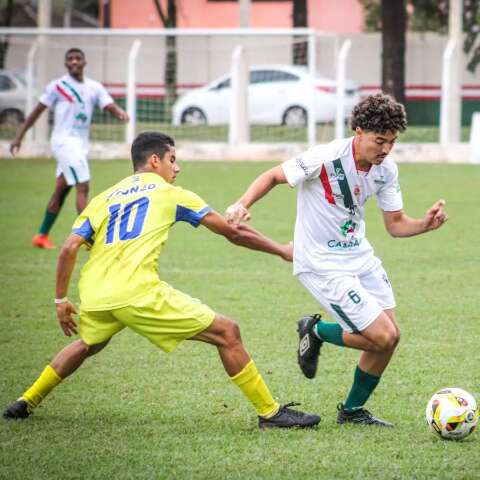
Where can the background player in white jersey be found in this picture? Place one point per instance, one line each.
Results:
(72, 97)
(332, 257)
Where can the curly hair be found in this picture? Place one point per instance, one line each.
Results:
(379, 113)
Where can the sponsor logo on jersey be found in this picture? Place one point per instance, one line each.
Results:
(132, 190)
(81, 117)
(302, 165)
(343, 244)
(348, 227)
(339, 175)
(380, 180)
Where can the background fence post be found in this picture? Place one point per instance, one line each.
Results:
(340, 85)
(238, 132)
(30, 97)
(130, 128)
(312, 70)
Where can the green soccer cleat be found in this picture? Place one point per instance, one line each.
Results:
(309, 345)
(19, 409)
(359, 416)
(288, 418)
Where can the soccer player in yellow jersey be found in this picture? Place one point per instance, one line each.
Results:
(126, 227)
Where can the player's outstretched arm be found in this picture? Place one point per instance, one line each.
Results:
(398, 224)
(117, 112)
(31, 119)
(238, 212)
(65, 266)
(246, 236)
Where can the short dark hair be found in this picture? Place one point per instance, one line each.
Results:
(148, 143)
(379, 113)
(74, 50)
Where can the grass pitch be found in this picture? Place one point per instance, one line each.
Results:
(134, 412)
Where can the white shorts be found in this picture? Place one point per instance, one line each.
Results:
(72, 162)
(355, 301)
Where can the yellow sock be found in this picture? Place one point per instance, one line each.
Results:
(46, 382)
(255, 389)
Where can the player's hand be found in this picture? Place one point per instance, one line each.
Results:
(65, 319)
(435, 216)
(123, 116)
(15, 146)
(237, 213)
(287, 253)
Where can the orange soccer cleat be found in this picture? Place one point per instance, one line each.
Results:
(42, 241)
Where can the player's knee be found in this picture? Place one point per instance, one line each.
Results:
(231, 332)
(94, 349)
(83, 188)
(389, 340)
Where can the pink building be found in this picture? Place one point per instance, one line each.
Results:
(341, 16)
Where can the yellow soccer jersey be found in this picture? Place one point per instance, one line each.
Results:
(127, 226)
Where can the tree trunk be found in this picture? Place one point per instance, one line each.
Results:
(170, 77)
(5, 39)
(300, 19)
(394, 26)
(169, 21)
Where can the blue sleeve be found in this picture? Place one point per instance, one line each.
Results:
(86, 231)
(184, 214)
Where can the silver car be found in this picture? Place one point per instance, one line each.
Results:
(13, 94)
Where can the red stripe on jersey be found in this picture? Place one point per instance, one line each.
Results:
(326, 186)
(64, 93)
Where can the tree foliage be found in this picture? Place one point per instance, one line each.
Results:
(432, 15)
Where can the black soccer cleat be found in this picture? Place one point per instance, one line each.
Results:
(309, 345)
(359, 416)
(19, 409)
(288, 418)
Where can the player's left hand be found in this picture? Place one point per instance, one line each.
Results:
(65, 319)
(435, 216)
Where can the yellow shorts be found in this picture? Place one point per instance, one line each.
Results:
(164, 316)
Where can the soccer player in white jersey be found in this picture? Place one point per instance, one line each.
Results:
(332, 257)
(72, 98)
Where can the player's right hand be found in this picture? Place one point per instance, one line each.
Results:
(65, 319)
(15, 146)
(237, 213)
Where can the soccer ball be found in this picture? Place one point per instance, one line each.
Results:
(452, 413)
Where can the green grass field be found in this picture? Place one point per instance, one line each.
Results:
(135, 412)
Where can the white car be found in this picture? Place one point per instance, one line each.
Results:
(277, 95)
(13, 92)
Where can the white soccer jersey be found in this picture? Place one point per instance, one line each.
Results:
(330, 227)
(73, 103)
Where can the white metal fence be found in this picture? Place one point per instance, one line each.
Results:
(148, 73)
(160, 76)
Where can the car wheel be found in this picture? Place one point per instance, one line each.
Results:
(295, 117)
(193, 116)
(11, 116)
